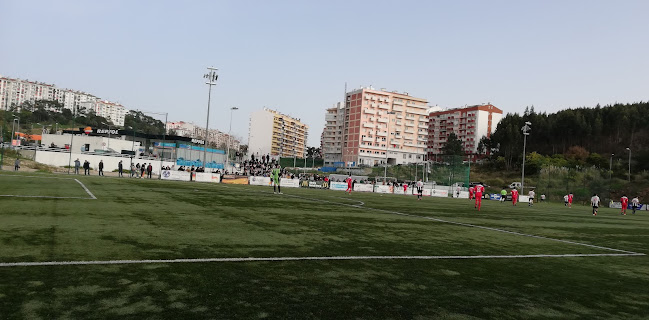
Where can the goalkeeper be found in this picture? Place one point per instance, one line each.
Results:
(274, 175)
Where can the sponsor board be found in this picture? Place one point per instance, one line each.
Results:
(383, 189)
(176, 175)
(314, 184)
(363, 187)
(230, 179)
(462, 195)
(290, 183)
(399, 190)
(259, 181)
(494, 196)
(206, 177)
(442, 193)
(618, 205)
(338, 186)
(523, 198)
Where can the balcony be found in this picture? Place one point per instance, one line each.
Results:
(409, 131)
(384, 106)
(397, 102)
(368, 139)
(397, 109)
(368, 125)
(382, 134)
(330, 117)
(410, 124)
(383, 120)
(369, 111)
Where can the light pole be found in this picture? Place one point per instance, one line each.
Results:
(13, 131)
(130, 168)
(211, 77)
(610, 167)
(387, 144)
(106, 124)
(229, 137)
(526, 128)
(71, 138)
(628, 149)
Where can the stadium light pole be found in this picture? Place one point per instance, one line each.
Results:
(526, 132)
(211, 77)
(387, 145)
(610, 167)
(629, 149)
(227, 157)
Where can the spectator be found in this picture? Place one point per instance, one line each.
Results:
(120, 169)
(17, 164)
(101, 167)
(86, 168)
(77, 164)
(149, 170)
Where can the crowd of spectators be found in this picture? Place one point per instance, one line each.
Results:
(263, 167)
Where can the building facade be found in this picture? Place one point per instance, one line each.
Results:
(379, 121)
(470, 124)
(191, 130)
(276, 134)
(15, 92)
(331, 141)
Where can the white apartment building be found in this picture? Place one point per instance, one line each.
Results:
(191, 130)
(379, 121)
(331, 141)
(14, 92)
(470, 124)
(276, 134)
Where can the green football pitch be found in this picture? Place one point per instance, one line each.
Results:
(95, 247)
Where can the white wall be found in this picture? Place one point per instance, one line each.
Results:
(261, 133)
(60, 159)
(96, 142)
(482, 125)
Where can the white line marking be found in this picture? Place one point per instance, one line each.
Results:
(252, 259)
(21, 176)
(88, 191)
(44, 197)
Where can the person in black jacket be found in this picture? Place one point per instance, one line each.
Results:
(86, 168)
(120, 169)
(101, 167)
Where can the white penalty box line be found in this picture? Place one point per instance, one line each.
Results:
(92, 196)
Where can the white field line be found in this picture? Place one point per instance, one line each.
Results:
(470, 225)
(88, 191)
(21, 176)
(43, 197)
(269, 259)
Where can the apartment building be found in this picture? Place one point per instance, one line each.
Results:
(469, 123)
(277, 134)
(191, 130)
(379, 121)
(331, 140)
(14, 92)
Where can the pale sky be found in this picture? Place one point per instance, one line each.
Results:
(296, 56)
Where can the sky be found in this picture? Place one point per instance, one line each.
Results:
(297, 56)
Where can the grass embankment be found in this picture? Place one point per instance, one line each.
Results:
(149, 219)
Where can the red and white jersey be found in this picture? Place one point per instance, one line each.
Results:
(515, 194)
(405, 187)
(570, 198)
(624, 200)
(479, 189)
(471, 189)
(349, 181)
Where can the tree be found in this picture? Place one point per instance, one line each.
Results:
(453, 146)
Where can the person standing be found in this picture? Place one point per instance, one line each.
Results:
(132, 170)
(149, 170)
(479, 189)
(514, 196)
(77, 164)
(531, 195)
(503, 195)
(570, 196)
(142, 169)
(120, 169)
(625, 202)
(420, 189)
(86, 168)
(349, 184)
(471, 189)
(635, 204)
(276, 181)
(594, 201)
(16, 164)
(565, 200)
(405, 188)
(101, 167)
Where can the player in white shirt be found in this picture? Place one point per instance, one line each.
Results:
(420, 189)
(531, 201)
(635, 204)
(565, 200)
(594, 201)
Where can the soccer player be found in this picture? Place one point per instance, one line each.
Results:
(349, 184)
(531, 196)
(570, 196)
(478, 196)
(514, 196)
(405, 188)
(594, 201)
(503, 195)
(275, 177)
(420, 189)
(565, 200)
(635, 204)
(625, 203)
(471, 192)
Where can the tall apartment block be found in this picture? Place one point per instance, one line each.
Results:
(331, 141)
(376, 121)
(276, 134)
(191, 130)
(470, 124)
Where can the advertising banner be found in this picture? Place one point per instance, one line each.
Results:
(363, 187)
(462, 195)
(206, 177)
(176, 175)
(234, 179)
(338, 186)
(383, 189)
(494, 196)
(399, 190)
(259, 181)
(314, 184)
(290, 183)
(523, 198)
(442, 193)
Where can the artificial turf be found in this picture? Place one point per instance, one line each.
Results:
(149, 219)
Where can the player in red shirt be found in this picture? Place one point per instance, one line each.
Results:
(570, 200)
(471, 193)
(479, 189)
(349, 184)
(514, 196)
(625, 203)
(405, 188)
